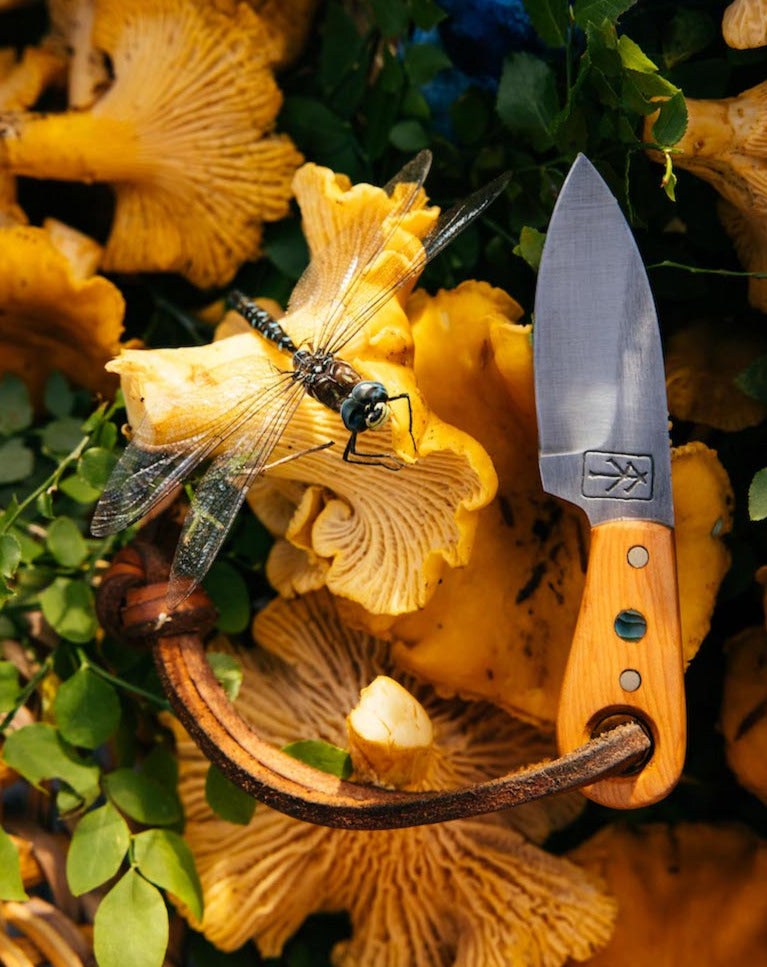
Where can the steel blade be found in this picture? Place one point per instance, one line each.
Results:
(599, 381)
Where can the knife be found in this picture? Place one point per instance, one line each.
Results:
(604, 446)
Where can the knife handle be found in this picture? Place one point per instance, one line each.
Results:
(626, 657)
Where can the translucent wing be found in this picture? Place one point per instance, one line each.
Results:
(222, 490)
(338, 271)
(383, 278)
(147, 473)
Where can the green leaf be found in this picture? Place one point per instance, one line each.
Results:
(227, 800)
(470, 115)
(15, 405)
(66, 543)
(321, 134)
(10, 555)
(59, 398)
(37, 753)
(16, 461)
(98, 847)
(633, 57)
(162, 766)
(423, 61)
(672, 121)
(11, 885)
(550, 20)
(165, 859)
(753, 380)
(228, 672)
(426, 14)
(321, 755)
(669, 178)
(687, 33)
(9, 685)
(391, 16)
(757, 496)
(60, 437)
(131, 925)
(597, 11)
(87, 709)
(527, 97)
(530, 247)
(142, 798)
(95, 466)
(286, 248)
(229, 593)
(105, 436)
(69, 608)
(408, 136)
(341, 46)
(76, 488)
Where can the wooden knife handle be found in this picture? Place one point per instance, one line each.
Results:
(626, 657)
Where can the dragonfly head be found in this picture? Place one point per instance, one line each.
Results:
(366, 407)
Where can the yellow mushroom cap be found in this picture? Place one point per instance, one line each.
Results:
(743, 716)
(380, 537)
(501, 627)
(471, 893)
(687, 894)
(725, 144)
(702, 363)
(182, 134)
(55, 317)
(290, 21)
(744, 24)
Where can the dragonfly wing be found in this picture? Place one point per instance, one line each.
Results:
(148, 472)
(386, 276)
(222, 490)
(337, 270)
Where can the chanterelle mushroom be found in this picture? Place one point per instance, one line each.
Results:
(702, 362)
(54, 314)
(687, 894)
(472, 893)
(383, 538)
(744, 24)
(183, 136)
(744, 706)
(724, 144)
(517, 600)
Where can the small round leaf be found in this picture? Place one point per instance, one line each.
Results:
(163, 857)
(95, 466)
(69, 608)
(99, 844)
(87, 709)
(131, 925)
(66, 543)
(142, 798)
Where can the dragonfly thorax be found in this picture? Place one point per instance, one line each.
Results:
(363, 404)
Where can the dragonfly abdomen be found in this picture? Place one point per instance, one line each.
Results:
(260, 320)
(324, 377)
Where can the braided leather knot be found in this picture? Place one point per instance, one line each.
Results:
(131, 599)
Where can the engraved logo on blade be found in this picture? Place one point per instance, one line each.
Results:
(620, 476)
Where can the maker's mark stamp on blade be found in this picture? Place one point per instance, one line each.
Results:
(620, 476)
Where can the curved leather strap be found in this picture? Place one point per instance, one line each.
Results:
(283, 782)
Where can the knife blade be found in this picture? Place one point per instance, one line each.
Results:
(604, 446)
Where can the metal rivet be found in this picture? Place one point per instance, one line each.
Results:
(638, 556)
(630, 680)
(630, 625)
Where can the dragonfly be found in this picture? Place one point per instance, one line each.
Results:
(343, 287)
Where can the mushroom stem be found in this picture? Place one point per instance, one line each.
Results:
(89, 147)
(390, 735)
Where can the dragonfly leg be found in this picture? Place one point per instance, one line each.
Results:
(386, 460)
(406, 397)
(301, 453)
